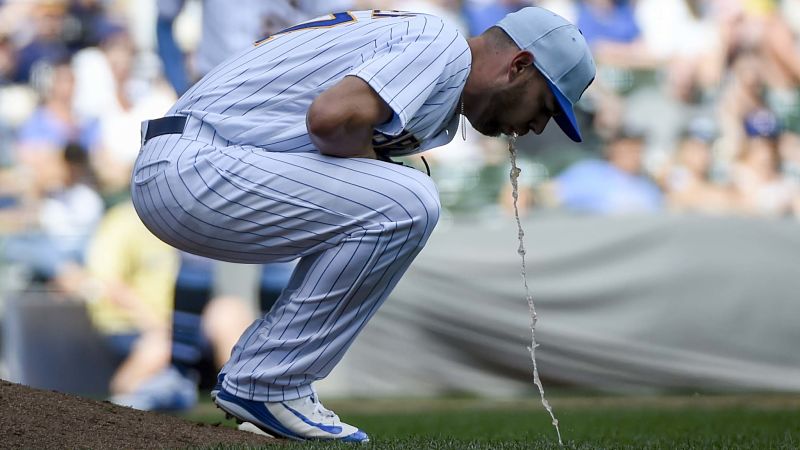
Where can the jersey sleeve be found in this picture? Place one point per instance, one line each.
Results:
(406, 74)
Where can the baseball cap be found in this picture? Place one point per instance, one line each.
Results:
(560, 53)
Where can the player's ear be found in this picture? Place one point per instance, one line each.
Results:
(521, 64)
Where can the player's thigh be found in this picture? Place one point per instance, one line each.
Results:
(350, 192)
(190, 203)
(248, 205)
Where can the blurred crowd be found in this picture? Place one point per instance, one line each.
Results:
(695, 109)
(715, 128)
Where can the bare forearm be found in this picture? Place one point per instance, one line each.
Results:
(341, 120)
(348, 140)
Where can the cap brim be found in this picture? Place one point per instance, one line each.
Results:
(566, 120)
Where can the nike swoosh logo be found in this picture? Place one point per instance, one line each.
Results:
(333, 429)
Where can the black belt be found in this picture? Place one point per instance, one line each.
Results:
(176, 124)
(164, 125)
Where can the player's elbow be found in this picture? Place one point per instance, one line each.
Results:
(326, 128)
(322, 120)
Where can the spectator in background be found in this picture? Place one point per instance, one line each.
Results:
(761, 187)
(47, 43)
(85, 22)
(39, 152)
(684, 36)
(614, 185)
(741, 95)
(54, 123)
(110, 89)
(50, 204)
(611, 29)
(71, 213)
(626, 69)
(764, 65)
(55, 226)
(687, 181)
(758, 27)
(129, 282)
(603, 21)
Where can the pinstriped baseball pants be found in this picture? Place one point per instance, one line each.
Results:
(356, 225)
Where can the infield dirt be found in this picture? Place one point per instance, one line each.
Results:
(32, 418)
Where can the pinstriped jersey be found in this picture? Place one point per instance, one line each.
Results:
(415, 62)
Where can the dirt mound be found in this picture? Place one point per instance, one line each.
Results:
(32, 418)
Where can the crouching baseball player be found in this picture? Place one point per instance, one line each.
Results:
(282, 152)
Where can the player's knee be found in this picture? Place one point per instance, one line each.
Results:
(424, 214)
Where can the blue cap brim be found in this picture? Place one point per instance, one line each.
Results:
(566, 120)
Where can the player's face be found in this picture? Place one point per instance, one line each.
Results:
(522, 106)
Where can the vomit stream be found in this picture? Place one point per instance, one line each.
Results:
(521, 251)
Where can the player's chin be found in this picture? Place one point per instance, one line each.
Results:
(492, 130)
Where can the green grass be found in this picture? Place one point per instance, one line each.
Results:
(760, 422)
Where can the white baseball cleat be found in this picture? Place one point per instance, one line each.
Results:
(301, 419)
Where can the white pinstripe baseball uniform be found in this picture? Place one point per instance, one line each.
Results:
(244, 183)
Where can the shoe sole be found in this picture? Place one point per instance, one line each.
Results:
(252, 428)
(240, 414)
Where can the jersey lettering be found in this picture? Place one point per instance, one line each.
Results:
(336, 19)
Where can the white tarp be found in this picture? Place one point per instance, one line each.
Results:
(645, 303)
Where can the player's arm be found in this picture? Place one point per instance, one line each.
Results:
(341, 120)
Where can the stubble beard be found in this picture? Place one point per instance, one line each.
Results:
(495, 110)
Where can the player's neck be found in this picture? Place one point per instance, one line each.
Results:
(488, 66)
